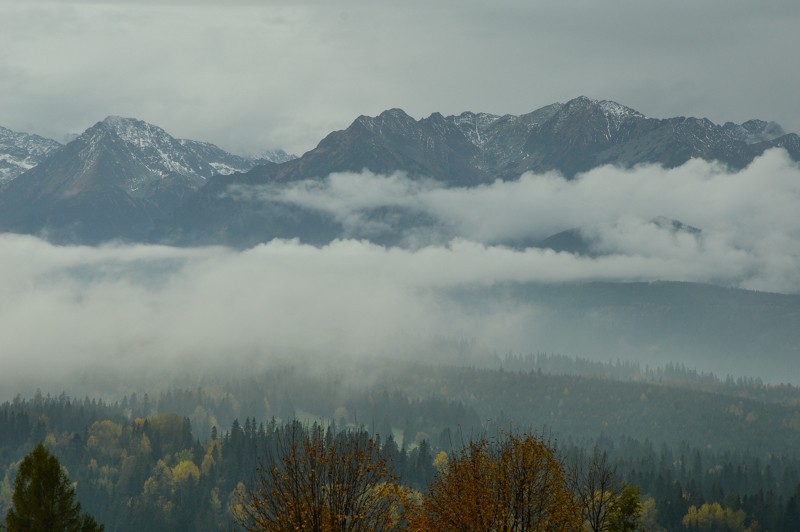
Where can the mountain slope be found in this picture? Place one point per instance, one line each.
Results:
(122, 178)
(708, 327)
(111, 182)
(473, 148)
(20, 152)
(464, 150)
(388, 142)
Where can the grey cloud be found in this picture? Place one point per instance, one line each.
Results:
(749, 219)
(64, 310)
(284, 74)
(67, 308)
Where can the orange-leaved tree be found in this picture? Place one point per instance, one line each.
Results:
(317, 481)
(513, 483)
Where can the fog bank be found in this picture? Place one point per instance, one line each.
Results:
(66, 310)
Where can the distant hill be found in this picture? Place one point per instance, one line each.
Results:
(711, 328)
(576, 242)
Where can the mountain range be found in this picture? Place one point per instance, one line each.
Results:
(111, 182)
(464, 150)
(129, 180)
(20, 152)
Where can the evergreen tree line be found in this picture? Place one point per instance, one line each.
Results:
(676, 373)
(152, 472)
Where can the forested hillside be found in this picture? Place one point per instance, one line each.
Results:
(182, 458)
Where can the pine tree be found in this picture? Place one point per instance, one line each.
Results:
(43, 498)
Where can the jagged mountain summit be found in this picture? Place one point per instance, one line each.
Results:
(20, 152)
(273, 156)
(112, 181)
(159, 154)
(569, 138)
(465, 150)
(754, 131)
(124, 178)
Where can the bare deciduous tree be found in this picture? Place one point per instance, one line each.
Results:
(314, 482)
(606, 503)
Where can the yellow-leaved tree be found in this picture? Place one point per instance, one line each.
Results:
(714, 516)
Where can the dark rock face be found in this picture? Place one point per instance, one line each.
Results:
(473, 148)
(391, 141)
(586, 133)
(467, 150)
(111, 182)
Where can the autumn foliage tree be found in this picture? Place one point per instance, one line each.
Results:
(515, 483)
(605, 502)
(714, 516)
(318, 481)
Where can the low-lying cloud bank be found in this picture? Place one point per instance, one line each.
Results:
(71, 309)
(749, 220)
(67, 309)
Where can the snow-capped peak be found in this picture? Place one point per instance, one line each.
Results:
(610, 109)
(392, 118)
(136, 131)
(275, 156)
(20, 152)
(150, 153)
(618, 111)
(611, 113)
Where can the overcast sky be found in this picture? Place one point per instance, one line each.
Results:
(251, 75)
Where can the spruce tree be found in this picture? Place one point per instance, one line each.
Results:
(43, 498)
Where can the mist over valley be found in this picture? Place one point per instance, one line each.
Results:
(608, 309)
(362, 264)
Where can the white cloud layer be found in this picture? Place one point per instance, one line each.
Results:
(68, 309)
(72, 309)
(749, 219)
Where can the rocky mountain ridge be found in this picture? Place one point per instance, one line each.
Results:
(111, 182)
(20, 152)
(466, 150)
(126, 179)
